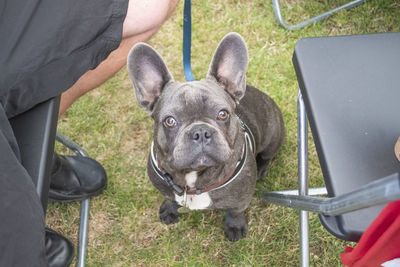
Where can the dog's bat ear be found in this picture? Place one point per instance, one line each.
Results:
(229, 65)
(148, 73)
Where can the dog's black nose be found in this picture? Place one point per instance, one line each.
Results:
(201, 134)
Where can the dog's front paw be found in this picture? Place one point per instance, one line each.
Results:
(235, 226)
(169, 212)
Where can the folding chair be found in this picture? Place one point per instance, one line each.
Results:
(278, 15)
(351, 91)
(35, 131)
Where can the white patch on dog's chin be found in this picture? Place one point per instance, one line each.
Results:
(194, 202)
(191, 179)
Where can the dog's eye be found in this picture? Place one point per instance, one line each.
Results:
(170, 122)
(223, 115)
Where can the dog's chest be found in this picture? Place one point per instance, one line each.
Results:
(193, 202)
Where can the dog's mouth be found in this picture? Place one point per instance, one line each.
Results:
(198, 158)
(202, 162)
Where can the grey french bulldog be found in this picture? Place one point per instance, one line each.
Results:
(212, 138)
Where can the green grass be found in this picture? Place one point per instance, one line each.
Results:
(124, 226)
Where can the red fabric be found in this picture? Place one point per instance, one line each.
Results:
(379, 243)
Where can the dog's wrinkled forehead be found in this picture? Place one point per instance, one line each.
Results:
(192, 99)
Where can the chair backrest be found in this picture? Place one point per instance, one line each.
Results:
(35, 132)
(351, 89)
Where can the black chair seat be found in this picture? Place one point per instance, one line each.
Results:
(35, 131)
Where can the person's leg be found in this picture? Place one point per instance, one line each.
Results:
(70, 182)
(22, 232)
(143, 19)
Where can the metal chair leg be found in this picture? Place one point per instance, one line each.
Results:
(278, 15)
(83, 232)
(302, 138)
(85, 204)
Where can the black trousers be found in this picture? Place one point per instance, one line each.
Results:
(45, 46)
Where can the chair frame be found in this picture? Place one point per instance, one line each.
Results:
(278, 15)
(85, 204)
(40, 169)
(380, 191)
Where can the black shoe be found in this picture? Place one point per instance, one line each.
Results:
(74, 178)
(59, 250)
